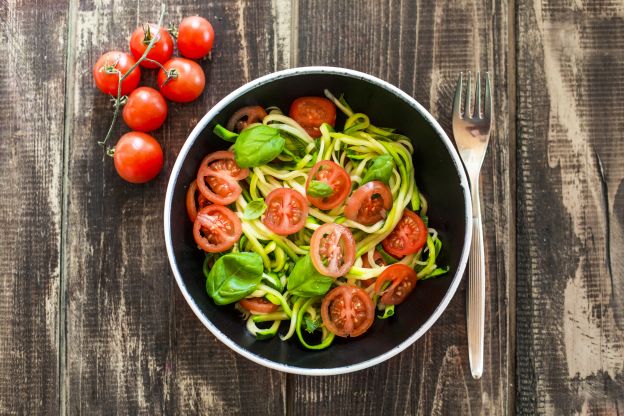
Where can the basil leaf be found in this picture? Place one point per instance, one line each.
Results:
(254, 209)
(225, 134)
(234, 276)
(388, 312)
(380, 170)
(319, 189)
(257, 146)
(312, 325)
(306, 281)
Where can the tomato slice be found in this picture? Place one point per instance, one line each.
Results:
(403, 281)
(216, 229)
(311, 112)
(379, 261)
(245, 116)
(408, 237)
(347, 311)
(369, 203)
(335, 176)
(287, 211)
(258, 305)
(218, 176)
(332, 249)
(194, 203)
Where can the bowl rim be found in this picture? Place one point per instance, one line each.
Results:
(207, 118)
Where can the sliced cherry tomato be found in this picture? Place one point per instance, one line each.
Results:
(218, 176)
(145, 110)
(379, 261)
(287, 211)
(110, 67)
(335, 176)
(408, 237)
(138, 157)
(403, 280)
(258, 305)
(186, 80)
(244, 117)
(195, 37)
(369, 203)
(347, 311)
(311, 112)
(161, 50)
(216, 229)
(332, 248)
(195, 201)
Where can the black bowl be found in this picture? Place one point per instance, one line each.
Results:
(439, 174)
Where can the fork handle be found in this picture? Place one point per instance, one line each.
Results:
(476, 289)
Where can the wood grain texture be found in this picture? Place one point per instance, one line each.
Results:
(571, 212)
(421, 47)
(133, 345)
(31, 154)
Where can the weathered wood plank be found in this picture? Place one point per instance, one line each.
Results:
(421, 47)
(31, 155)
(570, 220)
(134, 346)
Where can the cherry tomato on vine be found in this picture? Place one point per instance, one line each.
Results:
(347, 311)
(138, 157)
(145, 110)
(110, 67)
(161, 50)
(311, 112)
(185, 82)
(195, 37)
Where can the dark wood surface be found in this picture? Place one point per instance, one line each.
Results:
(93, 322)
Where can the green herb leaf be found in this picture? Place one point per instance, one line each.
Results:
(380, 170)
(234, 276)
(257, 146)
(388, 312)
(319, 189)
(312, 325)
(437, 272)
(306, 281)
(225, 134)
(254, 209)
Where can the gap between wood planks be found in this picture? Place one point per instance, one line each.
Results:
(68, 105)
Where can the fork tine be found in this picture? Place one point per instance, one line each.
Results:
(477, 107)
(488, 98)
(458, 96)
(467, 107)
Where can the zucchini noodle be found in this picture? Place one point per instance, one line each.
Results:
(355, 149)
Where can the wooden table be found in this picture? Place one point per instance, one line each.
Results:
(92, 320)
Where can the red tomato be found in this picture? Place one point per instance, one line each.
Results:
(258, 305)
(186, 82)
(408, 237)
(311, 112)
(403, 280)
(369, 203)
(194, 201)
(195, 37)
(216, 229)
(347, 311)
(245, 116)
(161, 50)
(218, 176)
(110, 67)
(138, 157)
(332, 248)
(335, 176)
(145, 110)
(287, 211)
(379, 261)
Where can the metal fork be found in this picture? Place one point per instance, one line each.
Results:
(472, 133)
